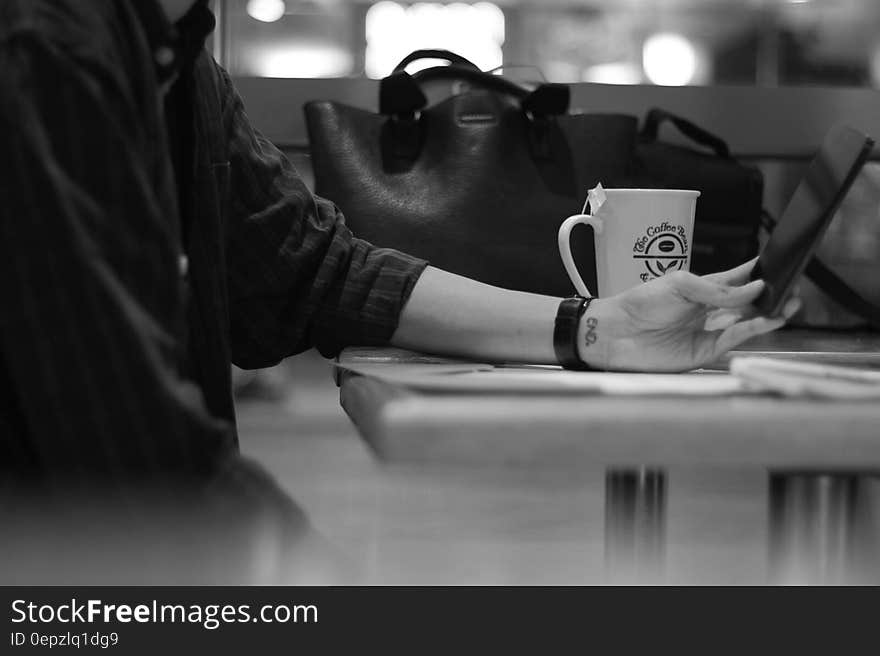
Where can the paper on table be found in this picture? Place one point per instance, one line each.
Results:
(856, 359)
(812, 379)
(487, 379)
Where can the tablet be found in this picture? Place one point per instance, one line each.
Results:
(808, 214)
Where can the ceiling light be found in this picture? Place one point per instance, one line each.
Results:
(669, 59)
(267, 11)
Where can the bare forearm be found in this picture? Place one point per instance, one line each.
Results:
(452, 315)
(658, 326)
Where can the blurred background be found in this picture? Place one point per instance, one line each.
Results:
(664, 42)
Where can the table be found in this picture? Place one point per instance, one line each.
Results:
(405, 425)
(573, 489)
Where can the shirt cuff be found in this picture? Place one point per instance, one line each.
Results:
(369, 310)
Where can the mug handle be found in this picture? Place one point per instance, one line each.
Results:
(565, 247)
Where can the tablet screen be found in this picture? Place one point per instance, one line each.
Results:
(816, 199)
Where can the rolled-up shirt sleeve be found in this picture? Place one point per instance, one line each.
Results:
(298, 277)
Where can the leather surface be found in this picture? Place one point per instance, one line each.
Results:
(476, 200)
(477, 188)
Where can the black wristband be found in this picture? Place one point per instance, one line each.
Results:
(565, 332)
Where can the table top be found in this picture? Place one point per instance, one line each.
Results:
(405, 424)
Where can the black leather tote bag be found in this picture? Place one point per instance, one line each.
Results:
(477, 183)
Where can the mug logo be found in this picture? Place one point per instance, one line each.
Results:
(663, 248)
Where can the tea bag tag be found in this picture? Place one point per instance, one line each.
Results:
(596, 198)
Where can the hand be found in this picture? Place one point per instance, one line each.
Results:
(677, 322)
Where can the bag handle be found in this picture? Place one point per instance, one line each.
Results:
(447, 55)
(833, 285)
(401, 95)
(656, 116)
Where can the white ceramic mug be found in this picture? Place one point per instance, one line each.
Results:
(640, 234)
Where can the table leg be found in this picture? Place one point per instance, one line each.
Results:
(823, 527)
(635, 524)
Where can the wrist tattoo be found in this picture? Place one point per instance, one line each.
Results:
(592, 331)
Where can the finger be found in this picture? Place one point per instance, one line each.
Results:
(739, 332)
(791, 308)
(709, 292)
(736, 276)
(721, 319)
